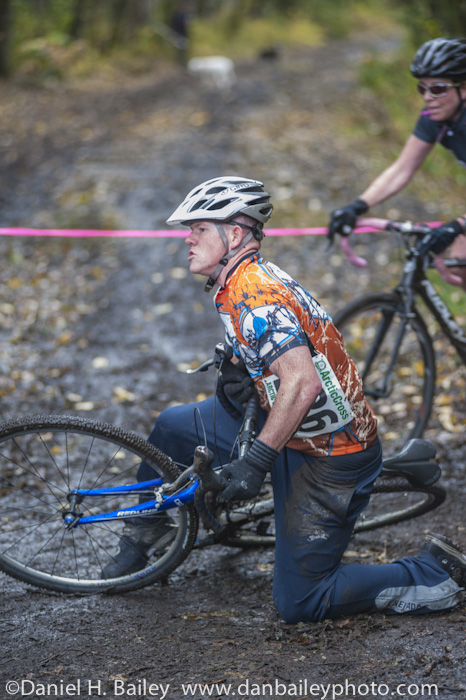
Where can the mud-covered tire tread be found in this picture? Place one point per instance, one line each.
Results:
(30, 424)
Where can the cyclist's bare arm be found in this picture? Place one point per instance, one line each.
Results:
(299, 387)
(399, 173)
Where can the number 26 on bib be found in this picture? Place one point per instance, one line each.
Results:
(331, 409)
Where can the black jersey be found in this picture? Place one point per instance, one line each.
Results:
(452, 135)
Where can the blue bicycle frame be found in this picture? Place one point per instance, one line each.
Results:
(144, 488)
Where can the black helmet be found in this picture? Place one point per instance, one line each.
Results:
(442, 57)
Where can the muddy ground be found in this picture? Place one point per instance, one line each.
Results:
(106, 328)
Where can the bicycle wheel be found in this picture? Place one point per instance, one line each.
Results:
(43, 458)
(370, 327)
(395, 499)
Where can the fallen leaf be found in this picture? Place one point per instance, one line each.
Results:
(100, 362)
(121, 394)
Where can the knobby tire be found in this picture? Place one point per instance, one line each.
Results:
(42, 458)
(394, 500)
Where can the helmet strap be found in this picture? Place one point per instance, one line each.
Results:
(256, 229)
(229, 253)
(458, 110)
(461, 99)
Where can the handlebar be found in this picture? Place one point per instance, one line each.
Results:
(210, 480)
(405, 228)
(222, 352)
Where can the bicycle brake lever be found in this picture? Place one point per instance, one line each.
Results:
(210, 481)
(350, 254)
(222, 352)
(369, 224)
(445, 272)
(203, 367)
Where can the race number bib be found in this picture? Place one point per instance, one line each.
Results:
(331, 409)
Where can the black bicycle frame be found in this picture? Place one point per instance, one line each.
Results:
(413, 282)
(417, 282)
(443, 316)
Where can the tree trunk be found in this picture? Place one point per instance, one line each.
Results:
(119, 20)
(5, 13)
(78, 20)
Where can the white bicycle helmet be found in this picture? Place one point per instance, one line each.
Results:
(219, 200)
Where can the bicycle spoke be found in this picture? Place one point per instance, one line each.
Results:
(37, 545)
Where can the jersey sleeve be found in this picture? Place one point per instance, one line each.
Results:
(426, 129)
(271, 330)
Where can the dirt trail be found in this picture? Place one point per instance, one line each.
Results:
(107, 326)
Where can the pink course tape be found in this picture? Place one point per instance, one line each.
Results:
(169, 233)
(89, 233)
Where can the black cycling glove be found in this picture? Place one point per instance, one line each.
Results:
(233, 384)
(246, 475)
(442, 237)
(343, 220)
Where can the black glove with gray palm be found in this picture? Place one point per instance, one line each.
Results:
(343, 220)
(442, 236)
(245, 476)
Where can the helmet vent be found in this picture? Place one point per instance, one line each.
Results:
(222, 198)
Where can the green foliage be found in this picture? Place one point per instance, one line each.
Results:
(426, 19)
(210, 36)
(334, 17)
(231, 27)
(452, 296)
(39, 18)
(392, 83)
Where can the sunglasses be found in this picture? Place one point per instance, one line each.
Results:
(437, 90)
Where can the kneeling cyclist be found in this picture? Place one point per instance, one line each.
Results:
(317, 433)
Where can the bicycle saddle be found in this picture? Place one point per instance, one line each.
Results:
(415, 461)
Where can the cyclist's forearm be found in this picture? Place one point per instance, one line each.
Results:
(288, 412)
(386, 185)
(399, 173)
(299, 387)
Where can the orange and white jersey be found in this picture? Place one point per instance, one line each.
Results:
(265, 313)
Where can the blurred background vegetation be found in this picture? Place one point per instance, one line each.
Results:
(73, 35)
(54, 40)
(59, 39)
